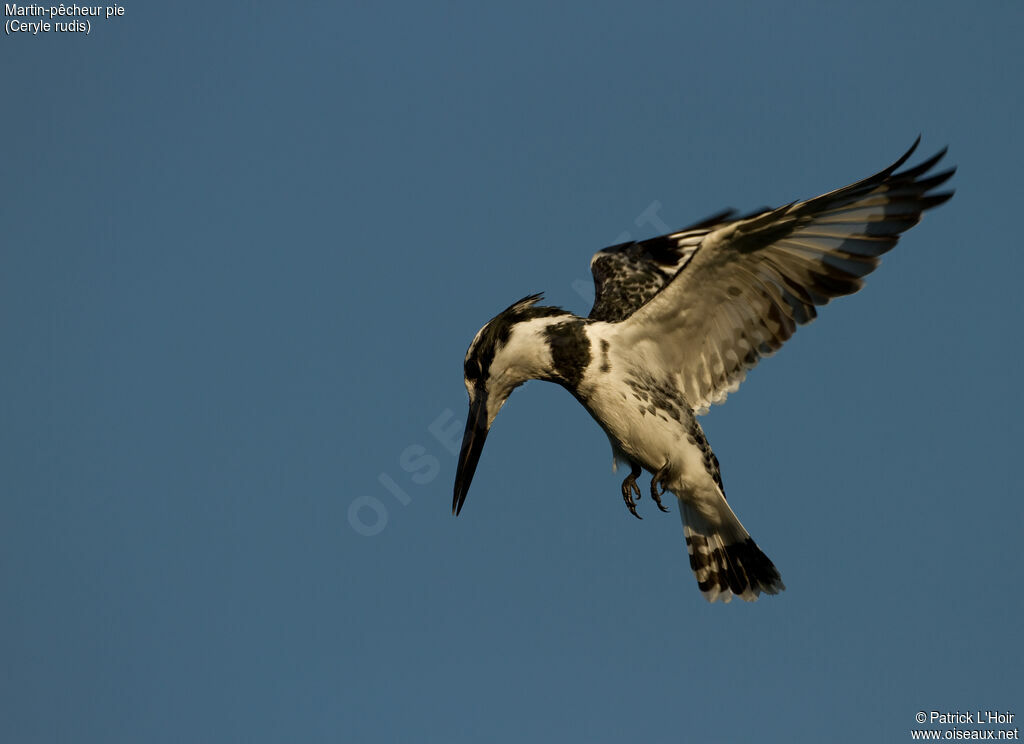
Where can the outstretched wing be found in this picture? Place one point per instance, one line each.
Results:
(629, 274)
(749, 283)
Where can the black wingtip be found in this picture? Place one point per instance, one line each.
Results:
(905, 157)
(924, 166)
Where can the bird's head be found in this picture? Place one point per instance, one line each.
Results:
(505, 353)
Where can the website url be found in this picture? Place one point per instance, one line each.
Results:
(964, 735)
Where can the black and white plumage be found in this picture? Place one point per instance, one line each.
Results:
(677, 322)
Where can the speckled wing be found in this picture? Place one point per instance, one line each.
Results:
(750, 282)
(629, 274)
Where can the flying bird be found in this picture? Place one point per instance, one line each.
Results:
(677, 322)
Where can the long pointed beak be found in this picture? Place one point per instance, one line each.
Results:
(472, 446)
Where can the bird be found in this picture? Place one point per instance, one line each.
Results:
(677, 322)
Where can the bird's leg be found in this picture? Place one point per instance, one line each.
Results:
(629, 486)
(655, 480)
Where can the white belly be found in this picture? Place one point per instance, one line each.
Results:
(653, 436)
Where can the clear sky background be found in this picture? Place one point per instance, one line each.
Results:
(244, 249)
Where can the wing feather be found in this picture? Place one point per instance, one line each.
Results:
(629, 274)
(747, 284)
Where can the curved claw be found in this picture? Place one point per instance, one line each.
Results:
(656, 479)
(629, 487)
(632, 509)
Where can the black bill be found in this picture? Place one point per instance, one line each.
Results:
(472, 446)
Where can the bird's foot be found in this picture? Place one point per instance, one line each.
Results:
(657, 479)
(629, 486)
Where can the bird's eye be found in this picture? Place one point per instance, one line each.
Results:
(472, 369)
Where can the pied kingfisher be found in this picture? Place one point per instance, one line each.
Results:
(677, 321)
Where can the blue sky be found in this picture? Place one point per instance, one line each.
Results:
(244, 251)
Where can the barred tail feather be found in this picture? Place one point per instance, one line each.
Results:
(726, 560)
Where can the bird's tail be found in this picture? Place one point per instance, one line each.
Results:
(725, 559)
